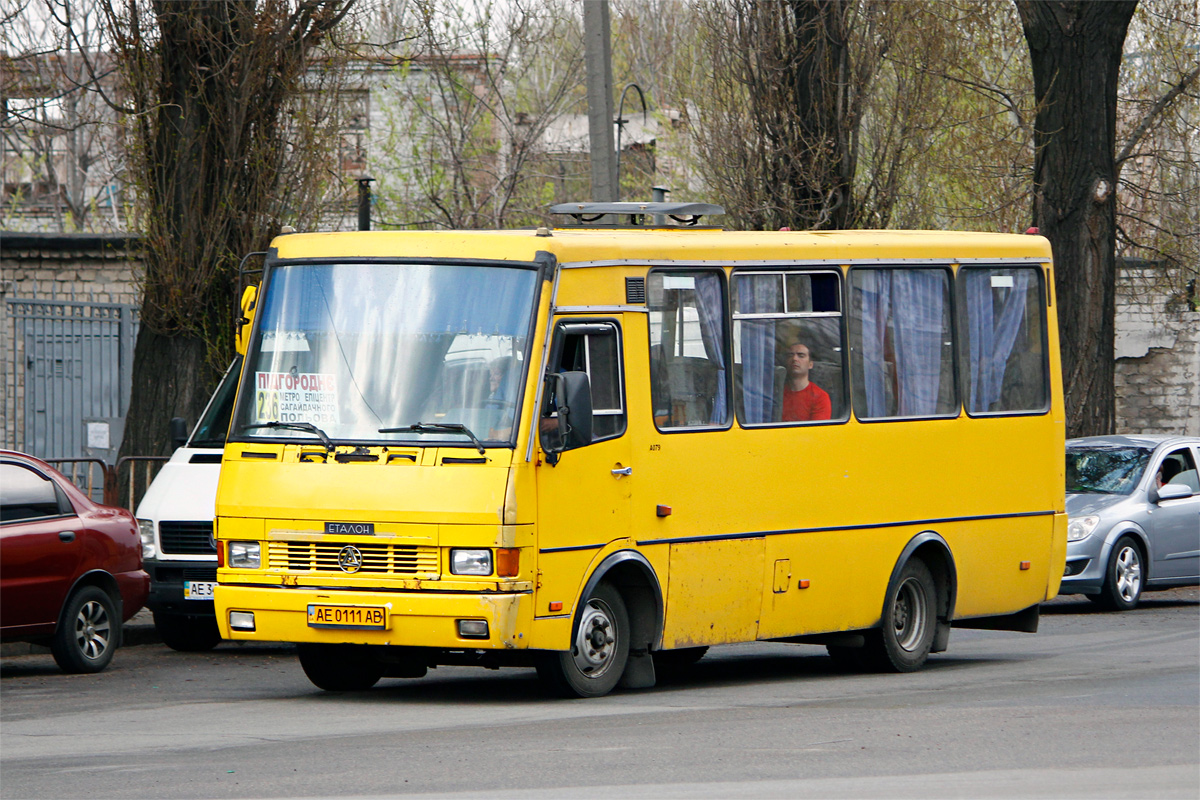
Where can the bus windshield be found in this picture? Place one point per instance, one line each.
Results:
(380, 353)
(1105, 470)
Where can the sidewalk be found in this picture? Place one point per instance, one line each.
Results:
(138, 630)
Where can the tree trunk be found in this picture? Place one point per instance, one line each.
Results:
(1075, 49)
(173, 380)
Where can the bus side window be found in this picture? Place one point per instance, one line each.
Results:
(594, 348)
(688, 370)
(1003, 354)
(787, 347)
(902, 341)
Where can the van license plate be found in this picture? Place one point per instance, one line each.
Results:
(322, 616)
(198, 590)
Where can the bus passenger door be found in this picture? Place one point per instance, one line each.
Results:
(584, 498)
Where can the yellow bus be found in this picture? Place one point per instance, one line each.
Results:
(608, 445)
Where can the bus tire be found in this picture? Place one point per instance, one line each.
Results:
(1123, 577)
(340, 667)
(599, 652)
(905, 637)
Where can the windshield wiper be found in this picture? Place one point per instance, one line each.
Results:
(296, 426)
(437, 427)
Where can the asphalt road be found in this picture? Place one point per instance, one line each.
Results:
(1095, 705)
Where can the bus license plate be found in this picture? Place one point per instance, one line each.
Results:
(198, 590)
(322, 616)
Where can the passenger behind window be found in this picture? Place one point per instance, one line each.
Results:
(803, 400)
(501, 397)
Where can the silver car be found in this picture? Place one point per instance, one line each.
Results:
(1133, 509)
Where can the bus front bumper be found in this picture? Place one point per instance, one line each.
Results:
(416, 619)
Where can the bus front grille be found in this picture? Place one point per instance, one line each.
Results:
(377, 559)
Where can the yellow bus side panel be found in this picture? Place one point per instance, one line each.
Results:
(715, 597)
(842, 593)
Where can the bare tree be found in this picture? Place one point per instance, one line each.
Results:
(1158, 133)
(780, 125)
(470, 110)
(1075, 50)
(223, 144)
(62, 161)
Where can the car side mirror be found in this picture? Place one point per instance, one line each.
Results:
(177, 429)
(572, 393)
(1173, 491)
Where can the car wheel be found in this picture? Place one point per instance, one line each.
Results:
(187, 634)
(909, 621)
(88, 633)
(597, 658)
(340, 667)
(1123, 578)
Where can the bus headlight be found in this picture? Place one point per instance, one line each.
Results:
(244, 555)
(1081, 528)
(471, 562)
(146, 531)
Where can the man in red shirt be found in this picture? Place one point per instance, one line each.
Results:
(803, 400)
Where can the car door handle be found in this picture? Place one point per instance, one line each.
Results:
(66, 536)
(622, 472)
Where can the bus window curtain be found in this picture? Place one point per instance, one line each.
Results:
(912, 304)
(758, 346)
(875, 286)
(992, 338)
(918, 303)
(712, 318)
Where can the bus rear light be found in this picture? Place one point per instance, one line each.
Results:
(508, 562)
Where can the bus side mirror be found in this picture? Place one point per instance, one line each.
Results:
(248, 305)
(177, 429)
(572, 428)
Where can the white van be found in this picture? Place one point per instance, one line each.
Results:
(176, 519)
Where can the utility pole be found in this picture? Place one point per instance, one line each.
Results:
(598, 53)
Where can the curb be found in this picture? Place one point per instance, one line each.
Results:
(138, 630)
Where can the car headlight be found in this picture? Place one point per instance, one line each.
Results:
(471, 562)
(146, 531)
(244, 555)
(1081, 528)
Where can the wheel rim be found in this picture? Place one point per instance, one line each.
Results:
(93, 630)
(909, 613)
(596, 642)
(1129, 573)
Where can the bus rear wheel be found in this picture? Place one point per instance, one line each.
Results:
(904, 639)
(599, 651)
(340, 667)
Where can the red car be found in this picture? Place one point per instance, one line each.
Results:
(70, 569)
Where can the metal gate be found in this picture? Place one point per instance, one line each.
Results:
(72, 362)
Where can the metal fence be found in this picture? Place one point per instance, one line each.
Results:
(71, 367)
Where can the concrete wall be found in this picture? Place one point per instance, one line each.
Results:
(1158, 354)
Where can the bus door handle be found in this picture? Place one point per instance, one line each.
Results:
(621, 472)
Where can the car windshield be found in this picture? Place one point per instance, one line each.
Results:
(1105, 470)
(213, 427)
(382, 353)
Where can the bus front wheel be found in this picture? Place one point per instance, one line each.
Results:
(599, 651)
(340, 667)
(903, 641)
